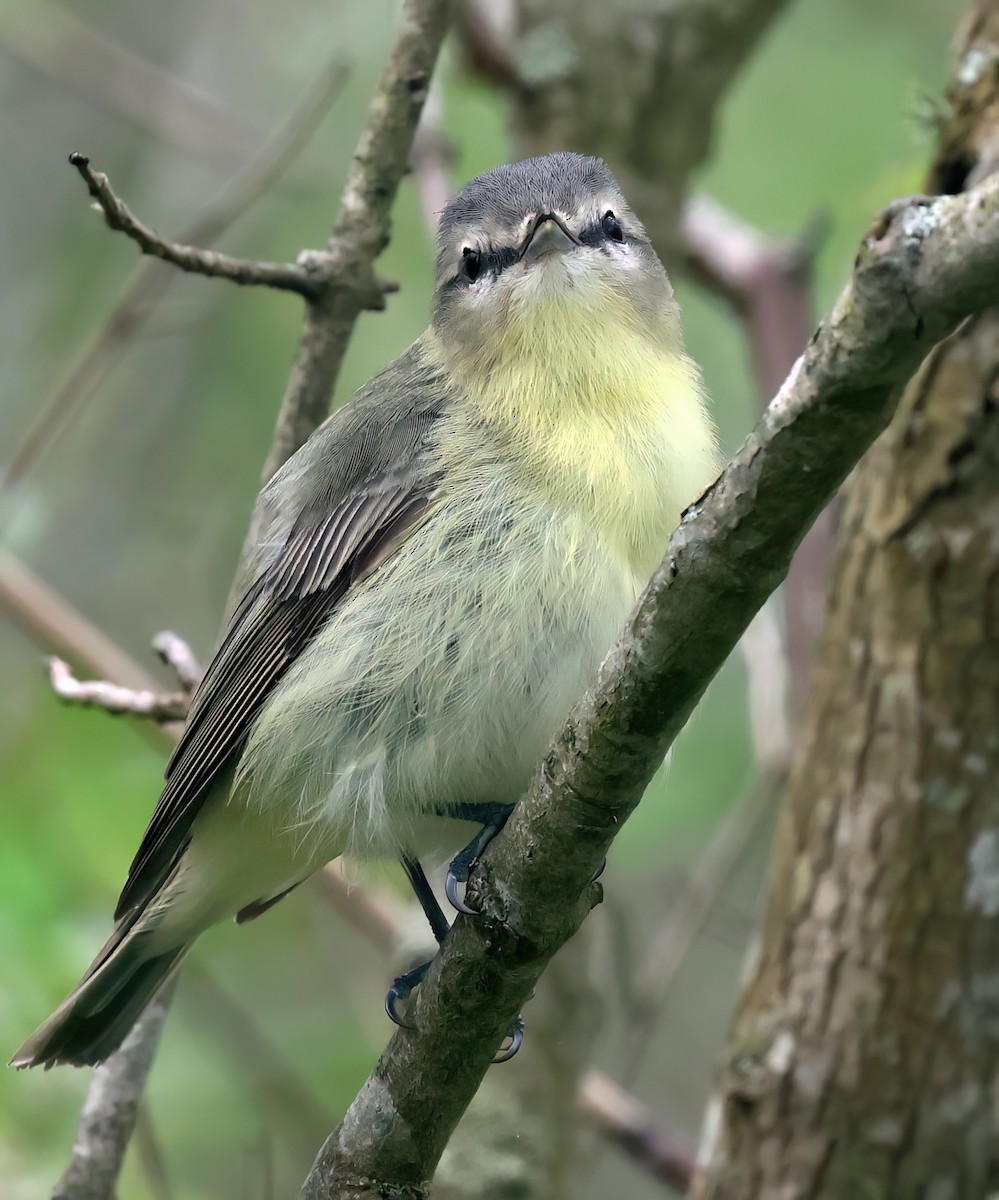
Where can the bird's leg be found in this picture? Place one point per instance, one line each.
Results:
(492, 818)
(402, 988)
(428, 901)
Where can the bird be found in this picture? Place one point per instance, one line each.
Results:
(433, 579)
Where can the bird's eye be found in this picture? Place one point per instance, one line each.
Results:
(471, 264)
(612, 227)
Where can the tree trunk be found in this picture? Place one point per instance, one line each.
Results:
(863, 1057)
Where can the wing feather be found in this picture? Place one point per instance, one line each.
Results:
(283, 610)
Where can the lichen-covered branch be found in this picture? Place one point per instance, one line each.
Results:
(922, 268)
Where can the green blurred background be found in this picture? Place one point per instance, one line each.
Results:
(137, 514)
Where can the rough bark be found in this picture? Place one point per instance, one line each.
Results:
(864, 1049)
(517, 1141)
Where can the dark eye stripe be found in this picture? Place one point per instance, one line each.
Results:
(491, 262)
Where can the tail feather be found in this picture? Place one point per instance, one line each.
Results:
(94, 1019)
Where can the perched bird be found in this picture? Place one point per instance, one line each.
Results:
(435, 577)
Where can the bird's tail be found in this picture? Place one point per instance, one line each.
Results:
(91, 1023)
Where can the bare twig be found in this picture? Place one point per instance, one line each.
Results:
(301, 277)
(111, 1108)
(731, 550)
(98, 693)
(152, 279)
(55, 626)
(178, 655)
(361, 229)
(629, 1125)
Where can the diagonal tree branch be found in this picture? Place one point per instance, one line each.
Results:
(923, 267)
(49, 621)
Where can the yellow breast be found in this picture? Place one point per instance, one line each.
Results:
(604, 419)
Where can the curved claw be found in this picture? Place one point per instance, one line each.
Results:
(392, 998)
(401, 990)
(451, 885)
(516, 1036)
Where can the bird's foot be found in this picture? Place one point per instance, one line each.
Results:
(493, 818)
(401, 990)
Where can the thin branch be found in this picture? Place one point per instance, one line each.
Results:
(151, 281)
(629, 1125)
(110, 1110)
(731, 550)
(176, 654)
(301, 277)
(98, 693)
(361, 229)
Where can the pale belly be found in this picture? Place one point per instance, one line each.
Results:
(440, 682)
